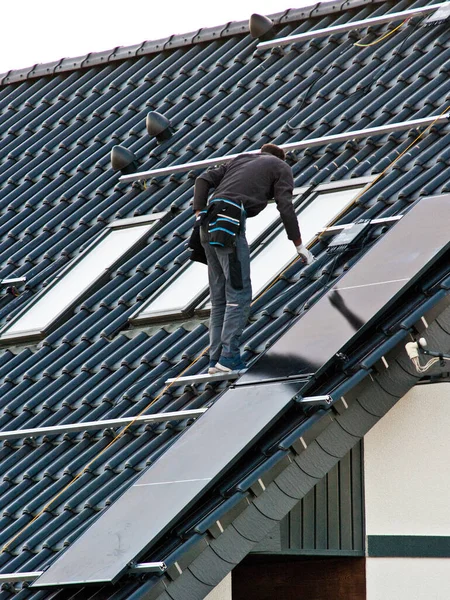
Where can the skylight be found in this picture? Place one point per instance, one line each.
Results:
(51, 305)
(271, 251)
(189, 286)
(321, 207)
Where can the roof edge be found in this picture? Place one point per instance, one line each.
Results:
(208, 34)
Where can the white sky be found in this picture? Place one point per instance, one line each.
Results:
(36, 31)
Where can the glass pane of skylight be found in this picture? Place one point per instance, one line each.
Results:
(76, 280)
(181, 291)
(276, 255)
(256, 225)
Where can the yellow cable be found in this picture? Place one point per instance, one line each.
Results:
(120, 434)
(386, 35)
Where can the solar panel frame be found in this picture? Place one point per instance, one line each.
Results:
(171, 486)
(375, 281)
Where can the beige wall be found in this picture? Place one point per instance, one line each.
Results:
(407, 492)
(221, 591)
(407, 466)
(408, 578)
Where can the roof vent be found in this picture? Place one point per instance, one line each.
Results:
(123, 160)
(260, 26)
(158, 126)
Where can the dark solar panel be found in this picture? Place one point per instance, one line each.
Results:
(216, 441)
(169, 487)
(373, 284)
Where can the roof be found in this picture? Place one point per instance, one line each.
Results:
(59, 123)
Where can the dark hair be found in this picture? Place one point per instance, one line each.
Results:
(275, 150)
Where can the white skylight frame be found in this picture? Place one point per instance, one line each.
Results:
(165, 301)
(17, 329)
(268, 219)
(259, 283)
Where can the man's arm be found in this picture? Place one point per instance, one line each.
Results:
(283, 188)
(203, 184)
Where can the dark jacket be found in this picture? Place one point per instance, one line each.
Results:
(252, 179)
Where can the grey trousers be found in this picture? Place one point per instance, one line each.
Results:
(230, 306)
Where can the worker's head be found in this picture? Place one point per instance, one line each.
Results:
(275, 150)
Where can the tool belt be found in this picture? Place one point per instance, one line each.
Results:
(223, 220)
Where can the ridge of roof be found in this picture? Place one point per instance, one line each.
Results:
(205, 34)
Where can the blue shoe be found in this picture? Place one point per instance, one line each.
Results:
(228, 364)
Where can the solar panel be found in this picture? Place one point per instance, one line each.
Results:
(373, 284)
(170, 487)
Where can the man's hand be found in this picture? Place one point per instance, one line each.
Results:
(304, 254)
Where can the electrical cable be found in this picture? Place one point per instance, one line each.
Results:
(424, 368)
(383, 68)
(310, 88)
(385, 36)
(413, 350)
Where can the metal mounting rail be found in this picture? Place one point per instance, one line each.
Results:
(324, 401)
(89, 425)
(13, 281)
(333, 229)
(308, 143)
(155, 567)
(317, 33)
(17, 577)
(205, 378)
(150, 567)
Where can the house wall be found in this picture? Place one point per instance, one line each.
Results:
(407, 498)
(328, 518)
(221, 591)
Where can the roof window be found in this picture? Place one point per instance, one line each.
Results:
(51, 305)
(271, 251)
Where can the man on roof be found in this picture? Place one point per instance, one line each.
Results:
(242, 189)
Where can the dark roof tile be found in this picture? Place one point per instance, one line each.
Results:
(58, 193)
